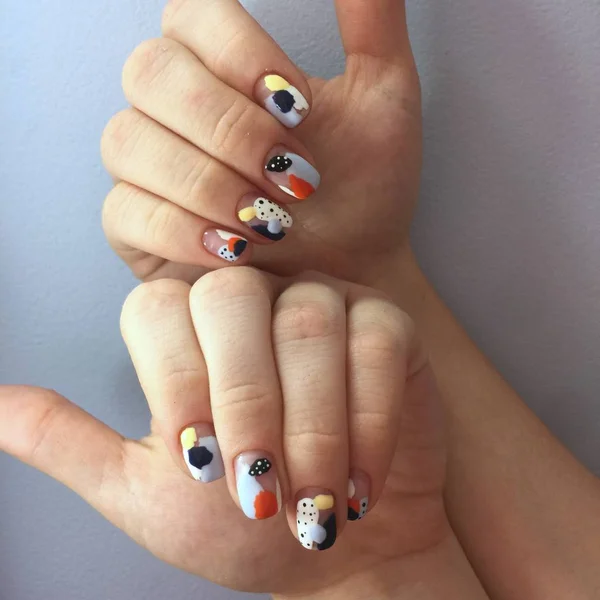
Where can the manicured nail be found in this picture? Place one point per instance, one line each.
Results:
(359, 488)
(257, 485)
(282, 100)
(264, 216)
(315, 519)
(229, 246)
(201, 453)
(291, 173)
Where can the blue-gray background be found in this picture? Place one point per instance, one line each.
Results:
(508, 229)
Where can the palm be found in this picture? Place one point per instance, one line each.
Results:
(199, 528)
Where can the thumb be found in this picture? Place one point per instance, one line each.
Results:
(375, 28)
(46, 431)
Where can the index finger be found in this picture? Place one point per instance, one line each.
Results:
(232, 45)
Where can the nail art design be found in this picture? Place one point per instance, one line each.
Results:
(264, 216)
(201, 453)
(282, 100)
(229, 246)
(292, 174)
(315, 519)
(257, 485)
(359, 487)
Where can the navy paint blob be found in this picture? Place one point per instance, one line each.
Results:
(200, 456)
(264, 231)
(352, 514)
(284, 101)
(331, 530)
(239, 247)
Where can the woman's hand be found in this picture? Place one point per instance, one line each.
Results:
(206, 164)
(288, 387)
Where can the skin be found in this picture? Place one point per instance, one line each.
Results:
(198, 527)
(525, 511)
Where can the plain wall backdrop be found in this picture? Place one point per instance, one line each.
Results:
(508, 229)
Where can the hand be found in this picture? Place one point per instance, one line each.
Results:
(190, 156)
(310, 379)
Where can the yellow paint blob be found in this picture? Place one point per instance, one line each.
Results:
(276, 83)
(247, 214)
(188, 438)
(323, 502)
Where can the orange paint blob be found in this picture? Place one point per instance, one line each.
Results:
(232, 242)
(302, 189)
(354, 504)
(265, 505)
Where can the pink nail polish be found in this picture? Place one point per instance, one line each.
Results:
(359, 488)
(257, 485)
(293, 174)
(316, 519)
(226, 245)
(283, 100)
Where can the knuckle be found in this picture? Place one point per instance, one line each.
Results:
(233, 126)
(228, 282)
(149, 301)
(147, 63)
(249, 397)
(313, 442)
(306, 320)
(376, 348)
(119, 137)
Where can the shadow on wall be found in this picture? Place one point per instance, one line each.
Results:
(510, 190)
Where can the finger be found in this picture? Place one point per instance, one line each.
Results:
(46, 431)
(382, 352)
(231, 310)
(168, 83)
(241, 54)
(309, 337)
(142, 152)
(374, 28)
(157, 328)
(135, 218)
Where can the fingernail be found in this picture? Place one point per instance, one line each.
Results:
(201, 453)
(359, 488)
(264, 216)
(291, 173)
(229, 246)
(257, 485)
(282, 100)
(315, 519)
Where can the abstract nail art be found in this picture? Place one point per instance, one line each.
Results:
(201, 453)
(229, 246)
(291, 173)
(359, 487)
(257, 485)
(315, 519)
(264, 216)
(282, 100)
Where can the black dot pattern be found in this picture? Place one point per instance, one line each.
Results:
(279, 164)
(260, 467)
